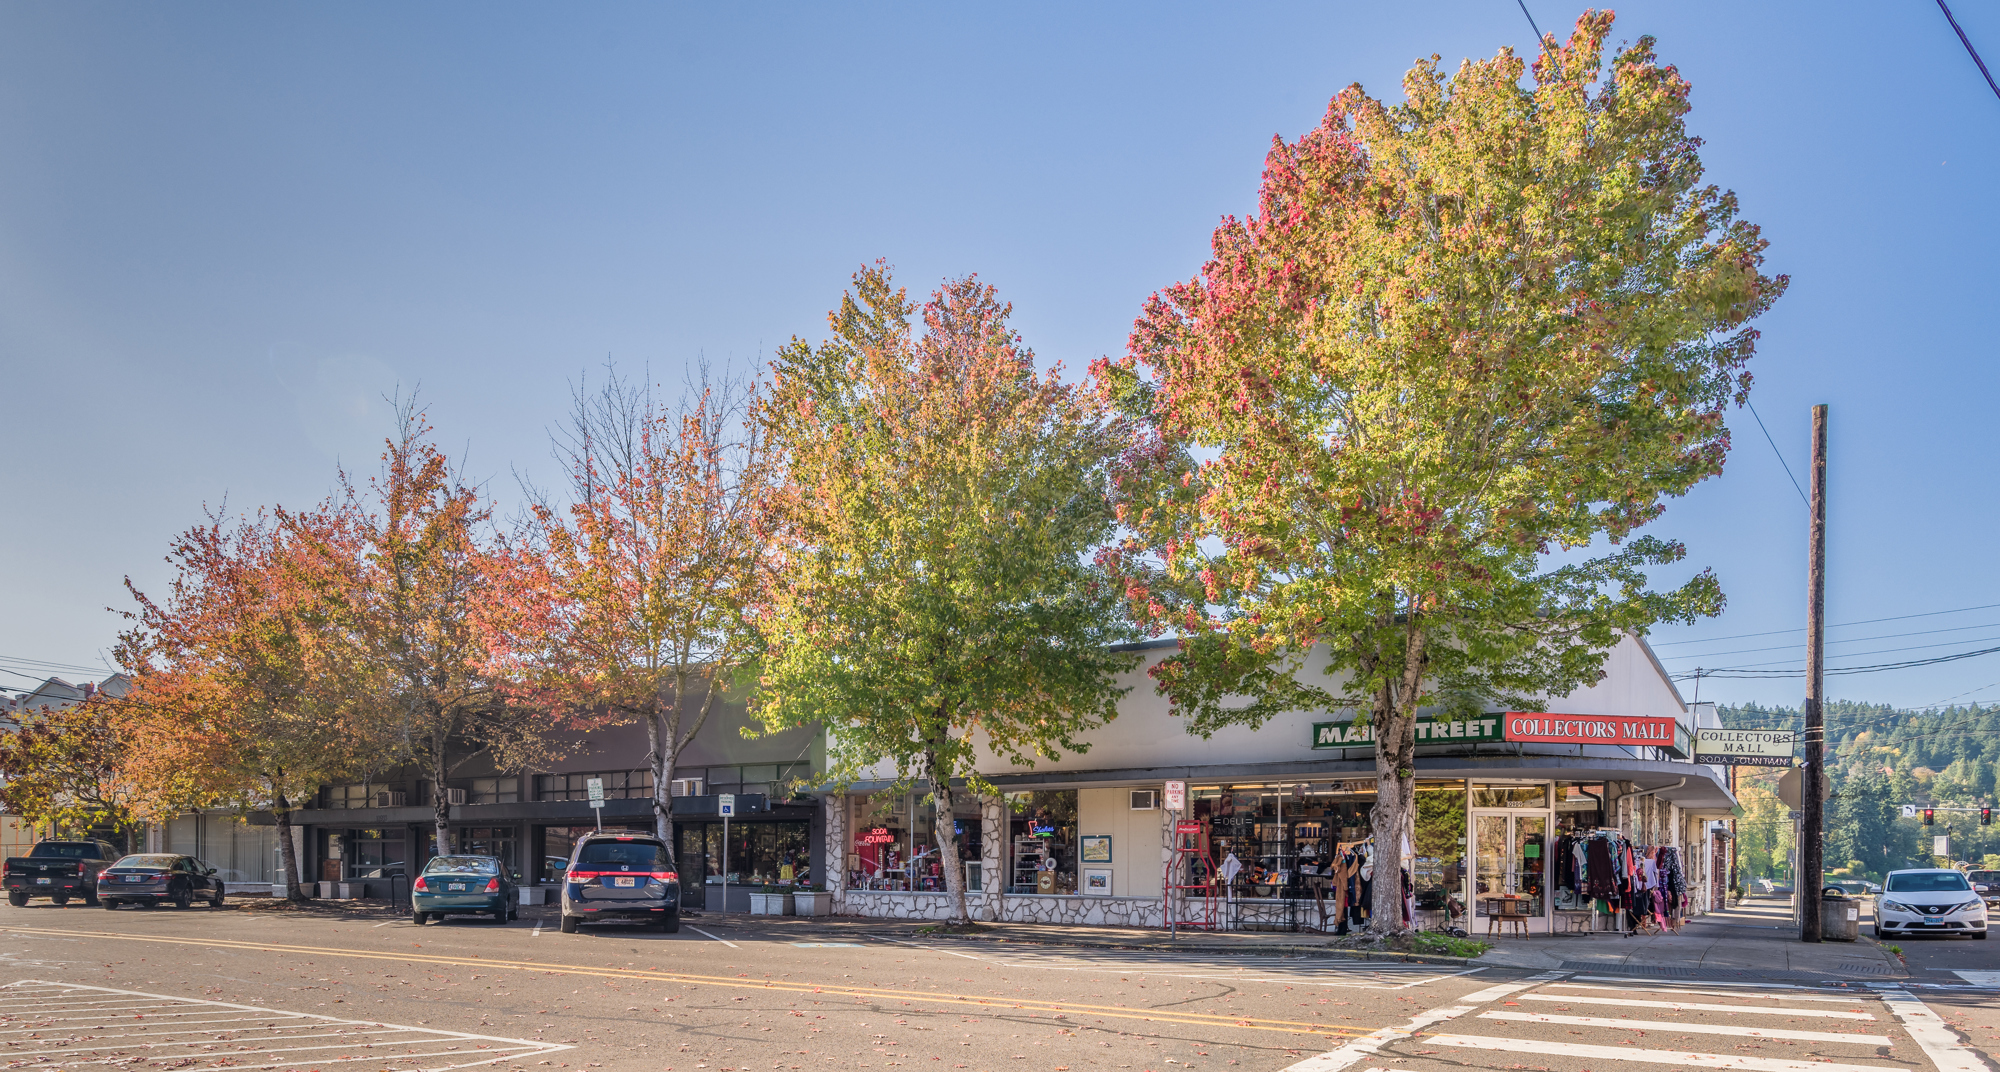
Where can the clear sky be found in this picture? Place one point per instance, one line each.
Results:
(226, 230)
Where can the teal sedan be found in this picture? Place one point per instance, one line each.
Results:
(458, 885)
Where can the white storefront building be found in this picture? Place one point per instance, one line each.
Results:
(1513, 810)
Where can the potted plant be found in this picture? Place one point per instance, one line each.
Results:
(771, 901)
(810, 900)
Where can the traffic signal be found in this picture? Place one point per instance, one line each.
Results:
(1986, 816)
(1930, 816)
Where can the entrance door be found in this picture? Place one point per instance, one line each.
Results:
(1510, 859)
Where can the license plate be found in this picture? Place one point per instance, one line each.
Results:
(624, 881)
(455, 886)
(135, 878)
(1933, 919)
(44, 881)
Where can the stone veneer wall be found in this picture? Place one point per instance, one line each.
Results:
(1089, 911)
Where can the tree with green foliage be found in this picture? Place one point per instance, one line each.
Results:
(1498, 322)
(935, 599)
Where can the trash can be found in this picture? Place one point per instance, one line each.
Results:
(1839, 916)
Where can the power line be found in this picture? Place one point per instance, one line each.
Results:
(1874, 669)
(1850, 640)
(1962, 39)
(1840, 625)
(1856, 654)
(1774, 445)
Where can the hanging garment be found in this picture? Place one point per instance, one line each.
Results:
(1602, 881)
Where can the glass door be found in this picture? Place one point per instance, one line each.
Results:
(1510, 860)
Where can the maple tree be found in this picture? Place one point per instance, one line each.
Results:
(427, 593)
(249, 692)
(65, 766)
(644, 580)
(941, 499)
(1462, 339)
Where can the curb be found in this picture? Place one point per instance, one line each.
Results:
(1328, 952)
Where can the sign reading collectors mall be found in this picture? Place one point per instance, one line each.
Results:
(1527, 726)
(1744, 748)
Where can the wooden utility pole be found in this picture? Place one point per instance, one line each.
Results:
(1812, 807)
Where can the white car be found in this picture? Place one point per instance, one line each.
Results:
(1930, 900)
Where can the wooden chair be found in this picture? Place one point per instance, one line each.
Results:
(1503, 911)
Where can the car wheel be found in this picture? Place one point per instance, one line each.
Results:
(513, 913)
(59, 898)
(108, 904)
(17, 899)
(672, 926)
(216, 902)
(90, 898)
(420, 918)
(569, 924)
(1878, 931)
(1979, 934)
(184, 898)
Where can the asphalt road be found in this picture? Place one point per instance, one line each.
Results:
(204, 989)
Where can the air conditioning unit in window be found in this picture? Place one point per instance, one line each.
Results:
(686, 787)
(387, 799)
(454, 796)
(1145, 799)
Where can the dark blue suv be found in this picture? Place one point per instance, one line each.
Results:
(621, 878)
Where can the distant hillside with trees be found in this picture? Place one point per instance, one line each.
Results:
(1883, 757)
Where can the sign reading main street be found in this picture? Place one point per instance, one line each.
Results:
(1429, 731)
(1743, 748)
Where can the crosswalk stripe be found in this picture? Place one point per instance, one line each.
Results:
(1694, 1029)
(1368, 1045)
(1837, 999)
(1635, 1003)
(1930, 1032)
(1658, 1057)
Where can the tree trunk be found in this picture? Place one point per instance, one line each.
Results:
(947, 839)
(1395, 783)
(662, 760)
(288, 850)
(440, 803)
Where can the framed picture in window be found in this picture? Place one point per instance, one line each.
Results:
(1097, 881)
(1096, 848)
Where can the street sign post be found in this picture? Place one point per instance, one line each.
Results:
(595, 786)
(725, 806)
(1743, 748)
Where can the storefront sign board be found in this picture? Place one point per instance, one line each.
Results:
(1429, 731)
(1744, 748)
(1544, 727)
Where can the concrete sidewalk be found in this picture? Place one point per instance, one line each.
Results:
(1755, 938)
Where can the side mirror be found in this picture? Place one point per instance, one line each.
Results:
(210, 872)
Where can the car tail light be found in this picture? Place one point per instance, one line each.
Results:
(584, 876)
(492, 885)
(663, 876)
(421, 885)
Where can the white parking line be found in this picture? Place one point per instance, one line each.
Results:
(1696, 1006)
(1937, 1040)
(1838, 999)
(1732, 1030)
(268, 1039)
(724, 941)
(537, 932)
(1683, 1058)
(1368, 1045)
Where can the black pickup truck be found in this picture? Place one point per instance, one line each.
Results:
(59, 869)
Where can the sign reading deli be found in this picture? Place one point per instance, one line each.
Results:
(1743, 748)
(1544, 727)
(1429, 731)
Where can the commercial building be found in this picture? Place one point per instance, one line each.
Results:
(1502, 799)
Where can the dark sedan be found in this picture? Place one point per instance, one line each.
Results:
(151, 878)
(460, 884)
(621, 878)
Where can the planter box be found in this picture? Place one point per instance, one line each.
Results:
(813, 904)
(347, 891)
(770, 904)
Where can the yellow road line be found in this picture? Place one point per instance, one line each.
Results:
(649, 975)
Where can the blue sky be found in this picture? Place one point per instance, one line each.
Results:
(226, 230)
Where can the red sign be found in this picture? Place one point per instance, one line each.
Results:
(877, 836)
(1188, 827)
(1542, 726)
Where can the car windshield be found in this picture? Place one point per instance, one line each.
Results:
(68, 852)
(462, 865)
(1929, 882)
(162, 863)
(624, 855)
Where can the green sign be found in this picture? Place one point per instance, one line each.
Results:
(1429, 731)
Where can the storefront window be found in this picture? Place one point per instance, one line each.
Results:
(893, 841)
(1437, 873)
(1579, 808)
(374, 853)
(1041, 828)
(1510, 796)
